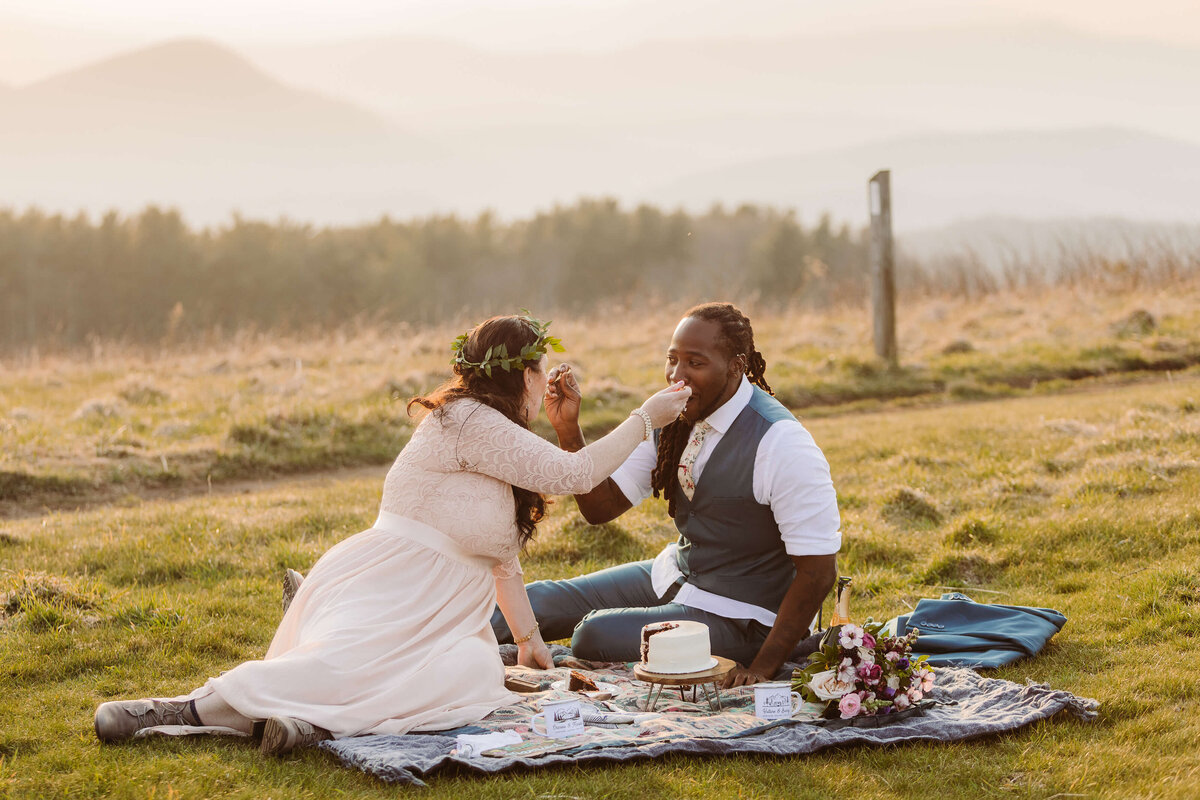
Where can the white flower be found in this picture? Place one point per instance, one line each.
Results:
(894, 682)
(828, 686)
(851, 636)
(902, 702)
(866, 656)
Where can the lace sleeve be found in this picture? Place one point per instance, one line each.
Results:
(508, 569)
(488, 442)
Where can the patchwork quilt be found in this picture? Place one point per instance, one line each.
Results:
(964, 705)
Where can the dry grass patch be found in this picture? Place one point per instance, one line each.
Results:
(973, 531)
(261, 404)
(906, 507)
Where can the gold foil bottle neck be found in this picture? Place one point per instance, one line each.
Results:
(841, 606)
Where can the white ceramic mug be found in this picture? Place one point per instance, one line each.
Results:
(560, 718)
(775, 700)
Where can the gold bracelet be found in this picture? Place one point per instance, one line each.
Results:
(529, 635)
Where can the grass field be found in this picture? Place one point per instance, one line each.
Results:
(91, 428)
(1080, 492)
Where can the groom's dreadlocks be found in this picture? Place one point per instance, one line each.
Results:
(736, 338)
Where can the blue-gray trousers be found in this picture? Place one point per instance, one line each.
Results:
(604, 612)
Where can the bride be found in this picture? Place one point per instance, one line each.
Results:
(390, 631)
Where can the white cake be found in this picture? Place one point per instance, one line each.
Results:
(676, 648)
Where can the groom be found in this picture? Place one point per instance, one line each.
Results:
(751, 496)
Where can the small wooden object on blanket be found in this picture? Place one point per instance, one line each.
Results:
(517, 684)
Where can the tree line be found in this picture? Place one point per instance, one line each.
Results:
(149, 276)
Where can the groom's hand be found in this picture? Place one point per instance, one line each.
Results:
(563, 397)
(742, 676)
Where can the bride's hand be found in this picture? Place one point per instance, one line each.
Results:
(666, 405)
(534, 654)
(563, 397)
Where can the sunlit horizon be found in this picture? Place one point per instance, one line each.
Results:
(42, 37)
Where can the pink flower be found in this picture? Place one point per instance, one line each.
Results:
(870, 673)
(892, 655)
(902, 702)
(850, 705)
(914, 693)
(868, 640)
(926, 680)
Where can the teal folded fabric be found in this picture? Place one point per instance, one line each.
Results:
(957, 631)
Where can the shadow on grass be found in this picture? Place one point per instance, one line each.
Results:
(25, 486)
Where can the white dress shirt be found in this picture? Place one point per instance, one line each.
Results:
(791, 476)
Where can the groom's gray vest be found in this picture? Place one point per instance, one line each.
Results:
(729, 543)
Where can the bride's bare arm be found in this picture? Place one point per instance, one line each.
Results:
(518, 613)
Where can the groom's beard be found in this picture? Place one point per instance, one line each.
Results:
(715, 404)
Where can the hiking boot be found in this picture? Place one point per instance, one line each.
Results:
(291, 585)
(282, 735)
(121, 719)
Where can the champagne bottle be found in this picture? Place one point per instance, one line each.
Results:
(841, 606)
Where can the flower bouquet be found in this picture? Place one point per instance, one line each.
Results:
(858, 672)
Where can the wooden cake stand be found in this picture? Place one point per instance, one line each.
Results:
(709, 677)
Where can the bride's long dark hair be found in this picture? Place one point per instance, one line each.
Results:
(503, 391)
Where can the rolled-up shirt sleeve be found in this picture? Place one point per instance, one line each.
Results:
(633, 476)
(792, 476)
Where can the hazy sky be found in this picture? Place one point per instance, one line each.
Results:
(586, 23)
(631, 123)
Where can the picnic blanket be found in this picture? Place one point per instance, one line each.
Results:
(966, 705)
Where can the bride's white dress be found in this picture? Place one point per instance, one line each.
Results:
(390, 630)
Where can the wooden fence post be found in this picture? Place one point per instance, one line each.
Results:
(31, 301)
(883, 267)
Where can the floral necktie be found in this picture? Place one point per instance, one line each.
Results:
(687, 460)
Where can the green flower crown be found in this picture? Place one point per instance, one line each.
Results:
(498, 356)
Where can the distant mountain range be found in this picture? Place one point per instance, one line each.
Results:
(195, 125)
(408, 127)
(938, 178)
(979, 78)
